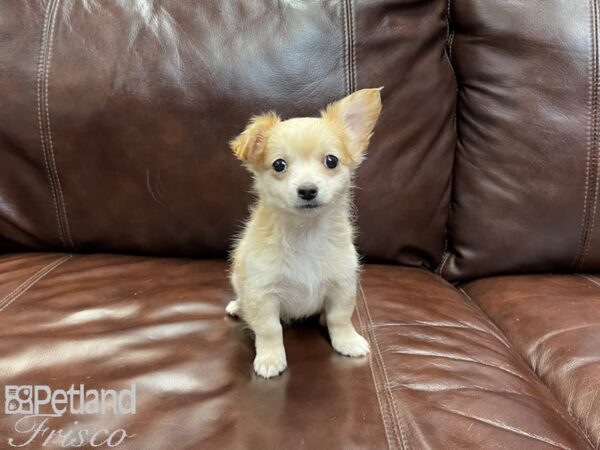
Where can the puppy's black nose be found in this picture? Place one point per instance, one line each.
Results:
(307, 191)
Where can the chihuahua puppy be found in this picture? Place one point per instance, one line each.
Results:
(296, 255)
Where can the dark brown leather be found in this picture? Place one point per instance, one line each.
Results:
(554, 323)
(115, 134)
(114, 123)
(441, 375)
(525, 196)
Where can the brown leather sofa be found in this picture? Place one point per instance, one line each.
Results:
(479, 218)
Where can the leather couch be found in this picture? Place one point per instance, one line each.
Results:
(478, 213)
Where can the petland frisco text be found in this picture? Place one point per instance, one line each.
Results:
(39, 405)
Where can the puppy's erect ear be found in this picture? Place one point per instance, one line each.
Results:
(356, 115)
(249, 145)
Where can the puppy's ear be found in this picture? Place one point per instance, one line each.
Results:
(356, 115)
(249, 146)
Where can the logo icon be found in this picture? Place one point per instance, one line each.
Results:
(18, 399)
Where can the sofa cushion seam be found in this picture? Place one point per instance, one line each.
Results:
(591, 160)
(26, 285)
(446, 253)
(43, 82)
(382, 410)
(595, 166)
(352, 49)
(589, 277)
(349, 46)
(399, 428)
(445, 257)
(62, 203)
(39, 88)
(345, 53)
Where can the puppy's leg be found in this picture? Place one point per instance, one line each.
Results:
(339, 307)
(233, 308)
(262, 315)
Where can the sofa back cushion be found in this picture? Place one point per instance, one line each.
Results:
(115, 118)
(526, 182)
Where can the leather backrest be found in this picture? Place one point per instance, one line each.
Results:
(526, 186)
(116, 115)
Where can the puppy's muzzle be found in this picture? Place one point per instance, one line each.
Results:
(307, 191)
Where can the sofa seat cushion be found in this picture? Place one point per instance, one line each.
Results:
(554, 323)
(440, 375)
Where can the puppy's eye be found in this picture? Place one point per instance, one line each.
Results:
(279, 165)
(331, 161)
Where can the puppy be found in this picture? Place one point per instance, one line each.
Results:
(296, 255)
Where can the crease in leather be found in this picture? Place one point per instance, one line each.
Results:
(547, 336)
(507, 427)
(569, 418)
(464, 359)
(399, 431)
(31, 281)
(43, 110)
(477, 310)
(415, 387)
(463, 326)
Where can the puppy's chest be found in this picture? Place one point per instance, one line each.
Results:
(309, 261)
(303, 275)
(302, 291)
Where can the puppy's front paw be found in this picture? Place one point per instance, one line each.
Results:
(233, 308)
(270, 365)
(351, 345)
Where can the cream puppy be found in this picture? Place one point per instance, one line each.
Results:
(296, 255)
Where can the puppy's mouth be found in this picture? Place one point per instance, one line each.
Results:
(308, 206)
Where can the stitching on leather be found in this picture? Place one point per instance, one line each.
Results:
(62, 204)
(40, 73)
(440, 269)
(31, 281)
(386, 383)
(352, 46)
(589, 277)
(591, 157)
(573, 422)
(43, 81)
(594, 149)
(346, 58)
(381, 382)
(450, 34)
(382, 410)
(349, 46)
(449, 41)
